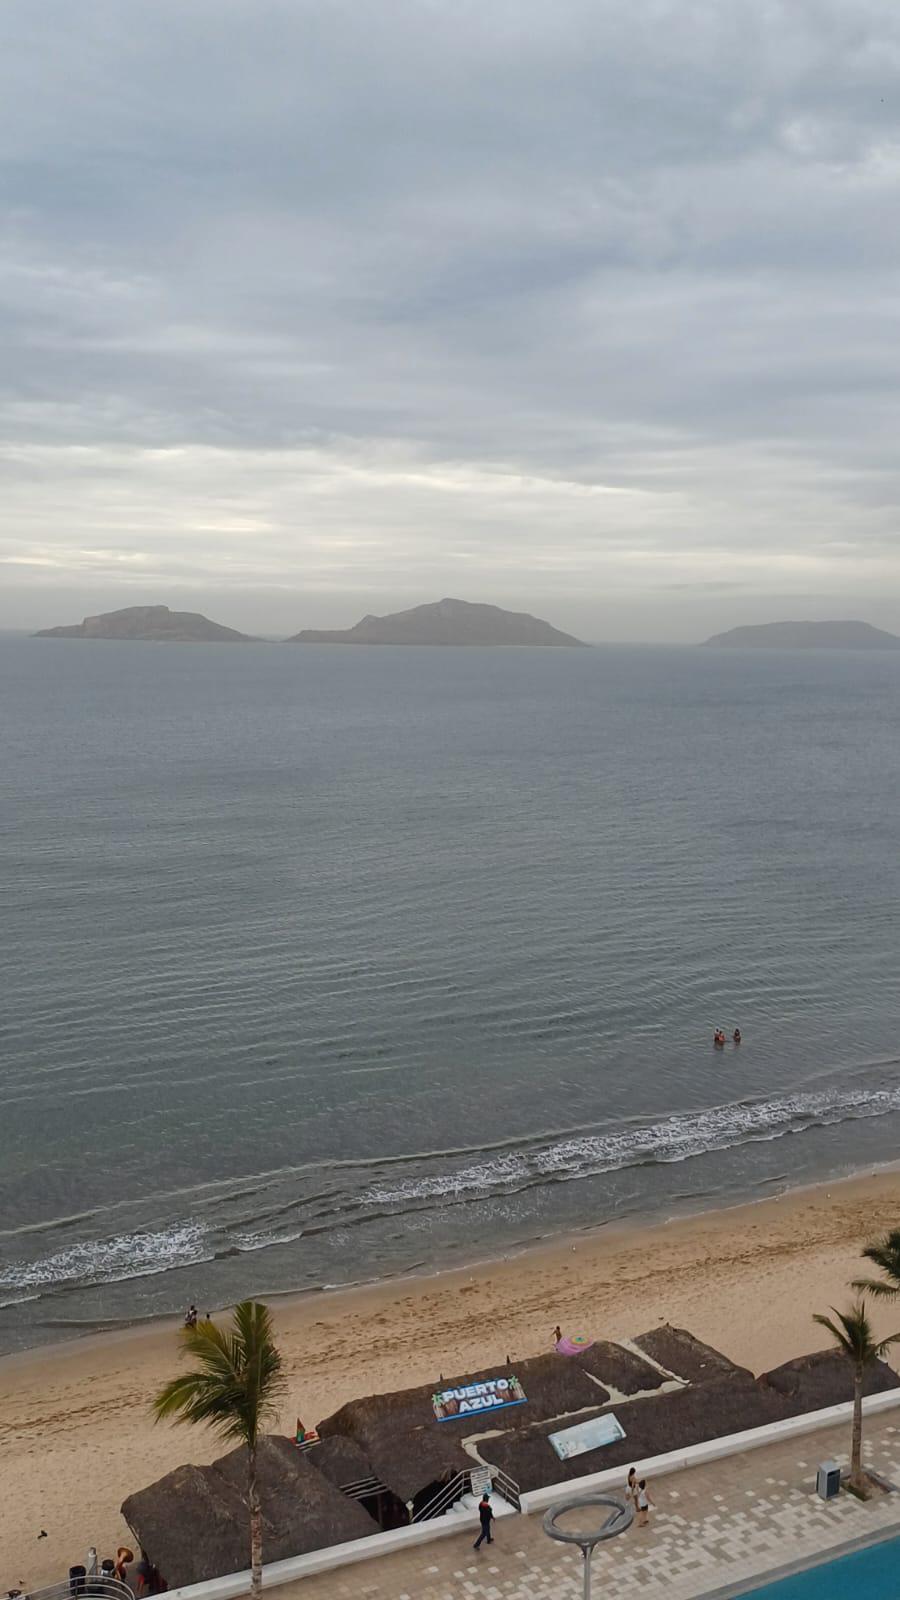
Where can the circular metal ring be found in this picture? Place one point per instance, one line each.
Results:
(620, 1517)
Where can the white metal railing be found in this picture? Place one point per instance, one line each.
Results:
(462, 1484)
(80, 1588)
(508, 1488)
(444, 1498)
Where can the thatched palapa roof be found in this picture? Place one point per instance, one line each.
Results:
(619, 1368)
(342, 1461)
(653, 1426)
(408, 1448)
(554, 1386)
(409, 1462)
(191, 1526)
(813, 1382)
(193, 1522)
(686, 1357)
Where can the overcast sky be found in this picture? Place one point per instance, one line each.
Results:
(310, 309)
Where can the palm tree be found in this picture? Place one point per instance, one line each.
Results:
(852, 1333)
(233, 1386)
(886, 1254)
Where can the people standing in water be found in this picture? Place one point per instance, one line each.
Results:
(719, 1039)
(736, 1036)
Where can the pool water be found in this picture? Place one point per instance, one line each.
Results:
(872, 1574)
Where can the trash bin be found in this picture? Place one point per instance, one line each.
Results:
(828, 1480)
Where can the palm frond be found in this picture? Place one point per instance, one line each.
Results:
(837, 1333)
(885, 1254)
(236, 1378)
(852, 1332)
(879, 1288)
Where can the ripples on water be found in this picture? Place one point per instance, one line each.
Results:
(324, 965)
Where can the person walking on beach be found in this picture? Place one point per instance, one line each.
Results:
(644, 1502)
(557, 1335)
(486, 1517)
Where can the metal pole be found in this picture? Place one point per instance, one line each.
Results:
(587, 1574)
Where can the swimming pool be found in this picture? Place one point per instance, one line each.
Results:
(871, 1574)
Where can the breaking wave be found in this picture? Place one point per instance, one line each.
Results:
(94, 1261)
(314, 1206)
(675, 1138)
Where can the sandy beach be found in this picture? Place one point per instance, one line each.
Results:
(77, 1435)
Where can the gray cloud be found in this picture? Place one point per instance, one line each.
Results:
(587, 309)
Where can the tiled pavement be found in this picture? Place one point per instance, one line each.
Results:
(713, 1526)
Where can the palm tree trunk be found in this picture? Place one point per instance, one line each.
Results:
(255, 1523)
(856, 1440)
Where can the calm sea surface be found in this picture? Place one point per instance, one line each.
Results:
(323, 965)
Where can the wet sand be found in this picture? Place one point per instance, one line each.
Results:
(77, 1435)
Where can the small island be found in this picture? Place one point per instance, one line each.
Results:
(155, 623)
(444, 622)
(806, 636)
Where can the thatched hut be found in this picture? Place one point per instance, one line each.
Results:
(193, 1523)
(653, 1426)
(618, 1368)
(342, 1461)
(810, 1383)
(554, 1386)
(417, 1466)
(414, 1455)
(686, 1357)
(192, 1526)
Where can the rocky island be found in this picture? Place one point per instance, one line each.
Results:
(807, 636)
(447, 622)
(157, 623)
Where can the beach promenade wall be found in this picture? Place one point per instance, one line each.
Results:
(383, 1544)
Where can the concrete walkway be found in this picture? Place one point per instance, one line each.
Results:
(713, 1526)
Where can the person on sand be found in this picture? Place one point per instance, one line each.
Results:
(486, 1517)
(124, 1559)
(643, 1502)
(557, 1335)
(143, 1573)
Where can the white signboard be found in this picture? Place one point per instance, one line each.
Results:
(587, 1436)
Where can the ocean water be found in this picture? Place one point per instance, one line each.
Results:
(327, 965)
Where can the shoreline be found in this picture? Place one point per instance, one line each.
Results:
(74, 1415)
(122, 1330)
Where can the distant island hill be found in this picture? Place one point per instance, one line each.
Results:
(453, 622)
(156, 623)
(806, 636)
(445, 622)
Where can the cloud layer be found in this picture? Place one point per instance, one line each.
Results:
(571, 305)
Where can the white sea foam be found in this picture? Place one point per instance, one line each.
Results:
(126, 1255)
(675, 1138)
